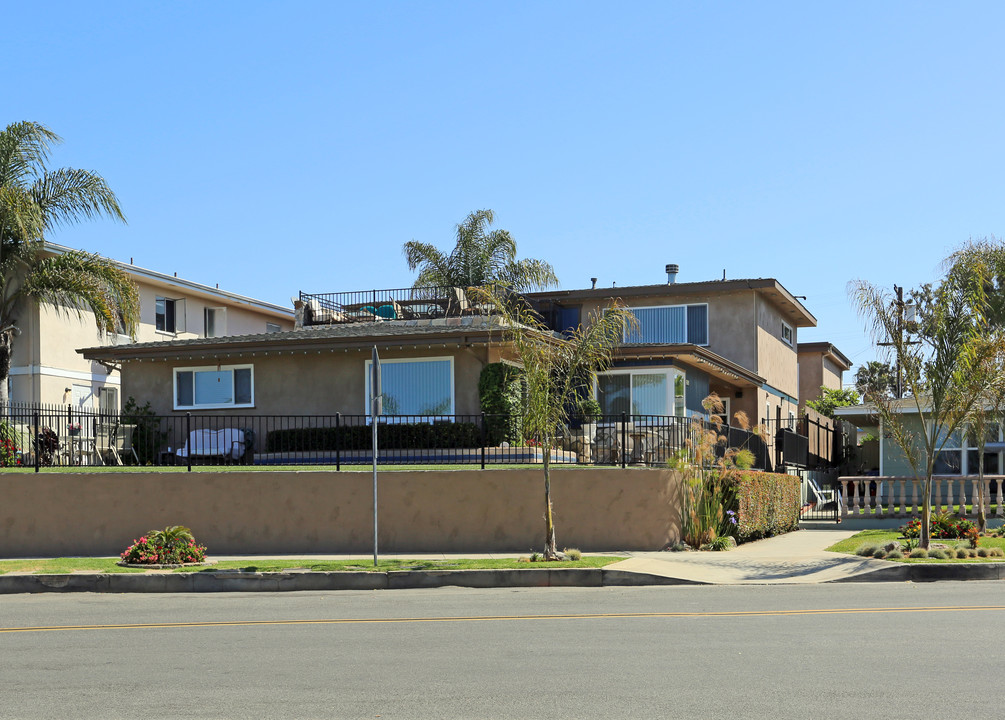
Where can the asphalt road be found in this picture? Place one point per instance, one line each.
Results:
(823, 651)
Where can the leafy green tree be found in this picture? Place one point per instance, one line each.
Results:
(832, 398)
(479, 257)
(33, 200)
(985, 259)
(875, 378)
(941, 370)
(557, 371)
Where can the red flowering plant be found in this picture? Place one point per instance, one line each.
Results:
(9, 452)
(174, 545)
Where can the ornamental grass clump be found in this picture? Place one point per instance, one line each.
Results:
(894, 555)
(982, 552)
(919, 553)
(710, 471)
(174, 545)
(936, 554)
(867, 550)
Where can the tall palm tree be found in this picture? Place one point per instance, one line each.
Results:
(479, 257)
(34, 200)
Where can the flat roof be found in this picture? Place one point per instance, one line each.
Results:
(827, 349)
(164, 279)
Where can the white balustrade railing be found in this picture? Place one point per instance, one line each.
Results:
(901, 497)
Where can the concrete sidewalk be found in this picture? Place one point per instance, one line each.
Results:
(796, 557)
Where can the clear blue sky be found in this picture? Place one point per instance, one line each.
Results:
(277, 147)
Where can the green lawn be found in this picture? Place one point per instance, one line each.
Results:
(291, 468)
(107, 565)
(881, 537)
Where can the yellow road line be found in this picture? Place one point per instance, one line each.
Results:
(488, 618)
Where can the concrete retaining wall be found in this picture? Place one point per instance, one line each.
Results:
(245, 512)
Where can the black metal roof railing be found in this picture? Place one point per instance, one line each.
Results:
(387, 304)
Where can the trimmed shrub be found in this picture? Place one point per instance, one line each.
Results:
(174, 545)
(390, 436)
(767, 504)
(500, 392)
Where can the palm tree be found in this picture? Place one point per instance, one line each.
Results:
(33, 201)
(479, 257)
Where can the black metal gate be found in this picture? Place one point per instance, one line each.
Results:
(823, 500)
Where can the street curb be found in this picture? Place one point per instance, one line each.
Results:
(238, 581)
(926, 572)
(235, 581)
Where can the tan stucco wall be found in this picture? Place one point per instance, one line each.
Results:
(328, 512)
(731, 320)
(776, 360)
(45, 360)
(239, 320)
(315, 383)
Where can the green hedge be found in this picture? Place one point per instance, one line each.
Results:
(390, 436)
(767, 504)
(500, 392)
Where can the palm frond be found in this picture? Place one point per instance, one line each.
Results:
(77, 281)
(67, 195)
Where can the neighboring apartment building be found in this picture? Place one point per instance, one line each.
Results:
(821, 365)
(46, 368)
(737, 338)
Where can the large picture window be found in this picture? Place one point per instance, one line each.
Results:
(419, 387)
(215, 387)
(641, 392)
(669, 324)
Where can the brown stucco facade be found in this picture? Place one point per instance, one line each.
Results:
(259, 512)
(820, 365)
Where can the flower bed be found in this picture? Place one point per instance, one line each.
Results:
(173, 546)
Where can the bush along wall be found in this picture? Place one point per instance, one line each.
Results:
(500, 392)
(767, 504)
(391, 436)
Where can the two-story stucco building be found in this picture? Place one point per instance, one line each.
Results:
(737, 338)
(46, 367)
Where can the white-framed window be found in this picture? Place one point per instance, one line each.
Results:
(669, 324)
(273, 328)
(214, 387)
(992, 451)
(641, 391)
(108, 400)
(169, 315)
(421, 387)
(787, 334)
(215, 321)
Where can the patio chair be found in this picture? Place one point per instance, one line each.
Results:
(459, 303)
(123, 444)
(104, 437)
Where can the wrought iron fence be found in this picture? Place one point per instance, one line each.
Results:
(53, 435)
(389, 304)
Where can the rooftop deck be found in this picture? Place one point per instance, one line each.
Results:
(425, 303)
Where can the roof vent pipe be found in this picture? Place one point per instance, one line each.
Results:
(594, 281)
(672, 270)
